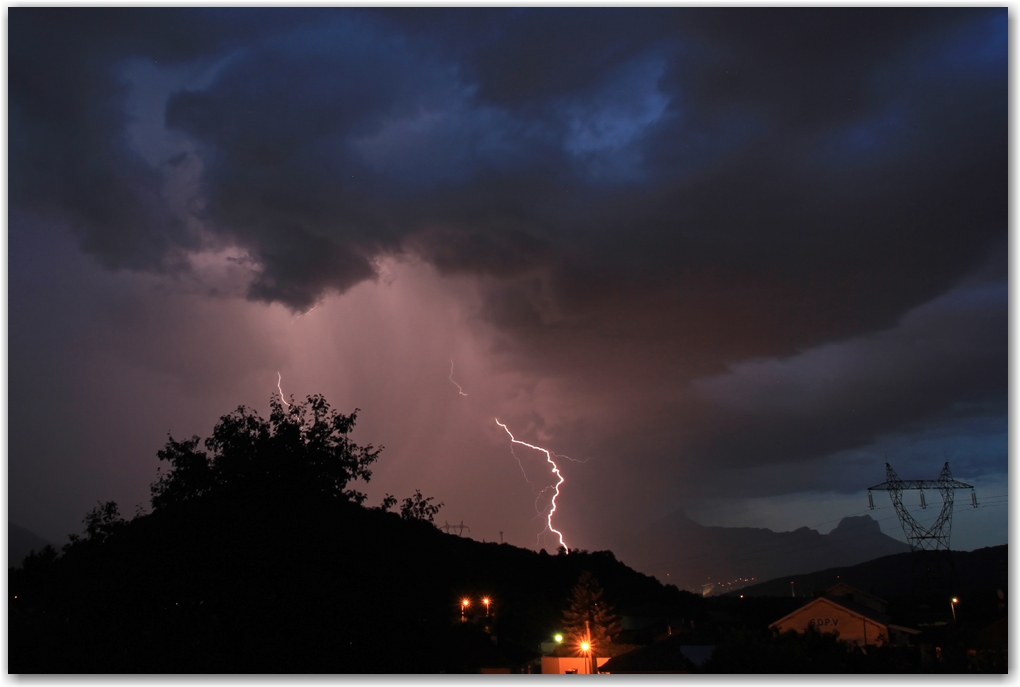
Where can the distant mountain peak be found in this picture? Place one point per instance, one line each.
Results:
(681, 551)
(857, 524)
(20, 542)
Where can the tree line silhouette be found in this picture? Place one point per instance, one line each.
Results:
(260, 556)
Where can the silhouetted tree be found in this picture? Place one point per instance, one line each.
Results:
(36, 560)
(100, 523)
(302, 449)
(417, 507)
(759, 650)
(587, 604)
(190, 475)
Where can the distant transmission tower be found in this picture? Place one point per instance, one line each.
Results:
(459, 528)
(933, 568)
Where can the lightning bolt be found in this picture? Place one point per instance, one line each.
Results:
(456, 384)
(556, 487)
(279, 381)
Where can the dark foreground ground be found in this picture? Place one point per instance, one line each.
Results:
(324, 586)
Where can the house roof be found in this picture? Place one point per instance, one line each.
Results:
(662, 657)
(900, 628)
(842, 589)
(851, 607)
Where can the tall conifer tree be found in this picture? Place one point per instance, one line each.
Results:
(587, 604)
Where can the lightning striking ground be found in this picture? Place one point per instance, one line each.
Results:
(459, 389)
(556, 487)
(279, 382)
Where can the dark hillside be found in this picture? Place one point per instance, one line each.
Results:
(21, 542)
(306, 585)
(890, 576)
(259, 558)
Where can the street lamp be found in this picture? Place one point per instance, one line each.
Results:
(952, 605)
(587, 649)
(486, 602)
(464, 603)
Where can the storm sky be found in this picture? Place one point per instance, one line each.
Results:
(728, 261)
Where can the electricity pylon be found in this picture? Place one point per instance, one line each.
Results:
(932, 564)
(460, 528)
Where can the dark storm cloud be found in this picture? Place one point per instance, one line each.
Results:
(789, 142)
(68, 153)
(833, 397)
(650, 197)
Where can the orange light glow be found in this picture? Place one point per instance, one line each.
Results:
(485, 601)
(585, 646)
(465, 602)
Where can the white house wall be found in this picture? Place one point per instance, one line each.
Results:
(829, 617)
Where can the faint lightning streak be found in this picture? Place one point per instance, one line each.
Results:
(536, 494)
(307, 311)
(279, 382)
(458, 385)
(521, 465)
(538, 498)
(556, 487)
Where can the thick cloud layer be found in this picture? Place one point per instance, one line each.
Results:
(713, 239)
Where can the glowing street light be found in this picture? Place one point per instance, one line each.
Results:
(559, 638)
(586, 648)
(486, 601)
(464, 604)
(952, 605)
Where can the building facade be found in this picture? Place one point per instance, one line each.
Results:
(856, 616)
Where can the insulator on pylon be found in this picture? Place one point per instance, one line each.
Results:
(871, 501)
(923, 504)
(973, 498)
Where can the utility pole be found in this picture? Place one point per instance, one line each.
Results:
(591, 649)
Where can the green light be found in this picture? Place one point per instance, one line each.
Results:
(558, 638)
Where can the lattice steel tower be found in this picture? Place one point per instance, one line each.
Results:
(933, 568)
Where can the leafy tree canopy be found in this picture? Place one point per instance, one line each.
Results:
(302, 449)
(418, 507)
(100, 523)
